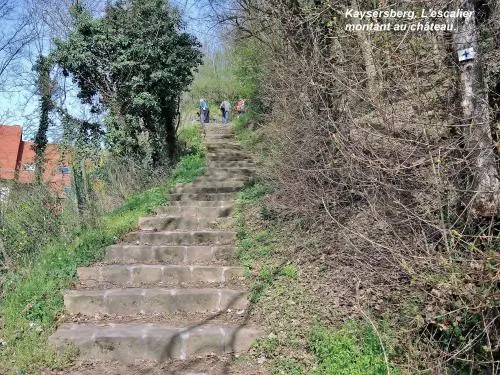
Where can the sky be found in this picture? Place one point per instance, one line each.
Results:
(18, 101)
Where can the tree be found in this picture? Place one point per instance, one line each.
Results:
(16, 33)
(45, 89)
(134, 62)
(485, 185)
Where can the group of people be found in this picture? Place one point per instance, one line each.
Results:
(225, 108)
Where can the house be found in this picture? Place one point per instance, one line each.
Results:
(17, 161)
(10, 143)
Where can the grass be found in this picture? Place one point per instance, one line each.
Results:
(352, 350)
(32, 298)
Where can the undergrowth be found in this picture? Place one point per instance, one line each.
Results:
(352, 350)
(296, 344)
(32, 298)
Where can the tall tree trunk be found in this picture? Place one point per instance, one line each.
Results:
(485, 185)
(370, 67)
(168, 113)
(44, 84)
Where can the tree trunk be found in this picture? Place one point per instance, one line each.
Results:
(45, 91)
(485, 185)
(168, 113)
(370, 67)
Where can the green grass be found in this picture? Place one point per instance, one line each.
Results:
(352, 350)
(32, 296)
(242, 128)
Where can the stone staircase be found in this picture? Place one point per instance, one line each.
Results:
(171, 291)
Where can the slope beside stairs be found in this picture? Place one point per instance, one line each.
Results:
(171, 292)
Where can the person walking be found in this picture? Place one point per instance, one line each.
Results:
(225, 107)
(240, 107)
(204, 112)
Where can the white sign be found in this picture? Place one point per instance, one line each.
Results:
(466, 54)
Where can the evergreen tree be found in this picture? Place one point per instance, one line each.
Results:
(133, 63)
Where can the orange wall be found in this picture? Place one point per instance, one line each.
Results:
(53, 160)
(10, 138)
(16, 154)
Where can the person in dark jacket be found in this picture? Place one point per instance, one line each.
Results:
(225, 107)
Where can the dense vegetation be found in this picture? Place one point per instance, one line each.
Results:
(379, 157)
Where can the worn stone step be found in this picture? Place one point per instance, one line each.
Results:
(172, 222)
(176, 222)
(153, 342)
(129, 254)
(185, 238)
(210, 137)
(207, 187)
(224, 146)
(230, 164)
(228, 155)
(203, 196)
(207, 209)
(242, 180)
(132, 301)
(140, 275)
(181, 204)
(229, 171)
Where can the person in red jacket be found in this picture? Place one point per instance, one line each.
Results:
(240, 107)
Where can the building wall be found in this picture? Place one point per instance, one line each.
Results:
(53, 161)
(10, 140)
(16, 153)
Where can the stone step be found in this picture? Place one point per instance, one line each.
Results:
(130, 254)
(229, 171)
(203, 196)
(132, 301)
(181, 238)
(222, 178)
(210, 137)
(181, 205)
(230, 164)
(228, 155)
(175, 222)
(140, 275)
(212, 210)
(224, 146)
(207, 187)
(153, 342)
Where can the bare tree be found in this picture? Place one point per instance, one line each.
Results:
(485, 185)
(16, 33)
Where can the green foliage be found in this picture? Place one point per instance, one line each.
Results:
(136, 62)
(45, 86)
(244, 129)
(215, 81)
(230, 74)
(289, 270)
(352, 350)
(289, 366)
(32, 294)
(248, 60)
(28, 221)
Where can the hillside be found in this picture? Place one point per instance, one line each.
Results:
(345, 221)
